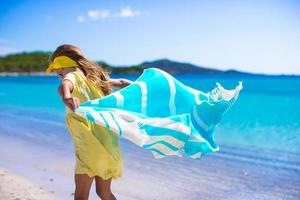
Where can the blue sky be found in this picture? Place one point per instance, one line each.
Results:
(254, 36)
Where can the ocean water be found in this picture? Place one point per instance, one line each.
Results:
(259, 142)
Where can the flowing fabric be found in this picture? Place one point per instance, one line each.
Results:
(159, 113)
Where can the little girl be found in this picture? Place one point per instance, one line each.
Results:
(98, 153)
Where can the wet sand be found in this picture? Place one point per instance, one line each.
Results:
(15, 187)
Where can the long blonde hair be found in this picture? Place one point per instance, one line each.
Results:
(91, 70)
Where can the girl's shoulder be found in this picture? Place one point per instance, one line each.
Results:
(75, 76)
(70, 77)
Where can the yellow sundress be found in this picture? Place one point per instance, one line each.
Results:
(97, 149)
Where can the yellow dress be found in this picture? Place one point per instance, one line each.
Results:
(97, 149)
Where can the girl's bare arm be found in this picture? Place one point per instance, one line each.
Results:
(64, 91)
(119, 83)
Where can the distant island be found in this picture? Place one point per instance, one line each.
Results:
(36, 63)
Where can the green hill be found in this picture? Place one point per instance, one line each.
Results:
(24, 62)
(38, 61)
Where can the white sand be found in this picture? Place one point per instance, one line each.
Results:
(15, 187)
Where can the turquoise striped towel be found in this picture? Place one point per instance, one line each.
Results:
(159, 113)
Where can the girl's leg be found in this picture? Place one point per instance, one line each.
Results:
(103, 189)
(83, 185)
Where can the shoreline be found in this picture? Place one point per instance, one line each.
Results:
(16, 187)
(231, 174)
(23, 175)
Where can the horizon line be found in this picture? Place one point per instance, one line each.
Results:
(164, 58)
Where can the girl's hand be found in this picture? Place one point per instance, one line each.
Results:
(120, 83)
(124, 82)
(71, 102)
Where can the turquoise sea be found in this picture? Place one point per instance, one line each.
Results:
(259, 141)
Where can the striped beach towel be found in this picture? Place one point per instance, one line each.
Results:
(159, 113)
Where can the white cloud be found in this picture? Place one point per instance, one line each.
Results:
(128, 12)
(98, 14)
(80, 18)
(95, 14)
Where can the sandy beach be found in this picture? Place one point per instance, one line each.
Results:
(16, 187)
